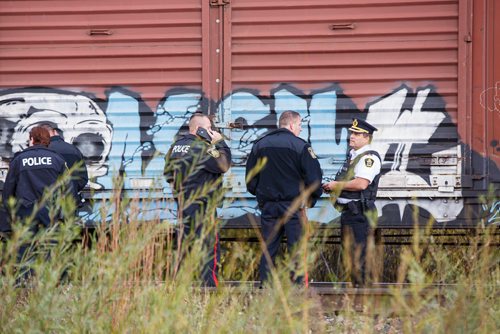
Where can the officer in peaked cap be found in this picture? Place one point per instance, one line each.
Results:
(361, 126)
(356, 184)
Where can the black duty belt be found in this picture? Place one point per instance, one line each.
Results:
(355, 207)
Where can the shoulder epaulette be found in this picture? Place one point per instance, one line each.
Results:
(375, 153)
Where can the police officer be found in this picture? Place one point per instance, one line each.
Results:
(72, 156)
(290, 167)
(194, 167)
(31, 173)
(357, 183)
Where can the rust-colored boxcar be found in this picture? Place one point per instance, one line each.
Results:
(120, 78)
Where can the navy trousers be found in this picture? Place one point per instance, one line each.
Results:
(273, 232)
(40, 222)
(195, 218)
(355, 230)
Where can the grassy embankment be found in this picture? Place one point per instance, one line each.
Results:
(131, 280)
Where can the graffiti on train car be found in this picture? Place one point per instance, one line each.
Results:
(493, 210)
(121, 134)
(494, 92)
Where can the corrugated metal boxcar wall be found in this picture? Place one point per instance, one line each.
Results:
(391, 62)
(484, 115)
(121, 78)
(102, 72)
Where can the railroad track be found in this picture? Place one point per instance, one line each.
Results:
(376, 299)
(384, 236)
(343, 296)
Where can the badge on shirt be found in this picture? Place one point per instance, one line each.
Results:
(311, 152)
(369, 162)
(213, 152)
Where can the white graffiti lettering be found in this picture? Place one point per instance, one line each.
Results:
(494, 218)
(493, 103)
(130, 137)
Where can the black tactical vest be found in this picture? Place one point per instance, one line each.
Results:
(346, 173)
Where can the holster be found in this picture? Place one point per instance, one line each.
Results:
(356, 207)
(369, 205)
(353, 207)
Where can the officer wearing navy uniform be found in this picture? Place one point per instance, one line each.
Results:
(72, 156)
(194, 167)
(31, 173)
(290, 167)
(357, 183)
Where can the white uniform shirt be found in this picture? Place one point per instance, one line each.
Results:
(367, 167)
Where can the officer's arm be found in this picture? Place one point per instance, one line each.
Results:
(9, 186)
(82, 175)
(68, 183)
(364, 174)
(168, 170)
(356, 184)
(220, 163)
(311, 170)
(254, 180)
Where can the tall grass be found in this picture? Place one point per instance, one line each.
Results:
(130, 280)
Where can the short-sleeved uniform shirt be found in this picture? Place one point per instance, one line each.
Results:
(368, 167)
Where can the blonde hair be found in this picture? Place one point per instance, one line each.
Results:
(287, 117)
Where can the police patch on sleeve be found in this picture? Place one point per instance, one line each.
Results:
(213, 152)
(311, 152)
(369, 162)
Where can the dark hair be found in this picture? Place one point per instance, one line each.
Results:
(53, 129)
(40, 136)
(47, 126)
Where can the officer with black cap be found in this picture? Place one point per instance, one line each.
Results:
(290, 167)
(194, 166)
(356, 185)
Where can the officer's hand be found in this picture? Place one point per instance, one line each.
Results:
(328, 187)
(216, 137)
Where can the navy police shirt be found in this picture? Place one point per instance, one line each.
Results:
(290, 168)
(30, 173)
(71, 155)
(192, 163)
